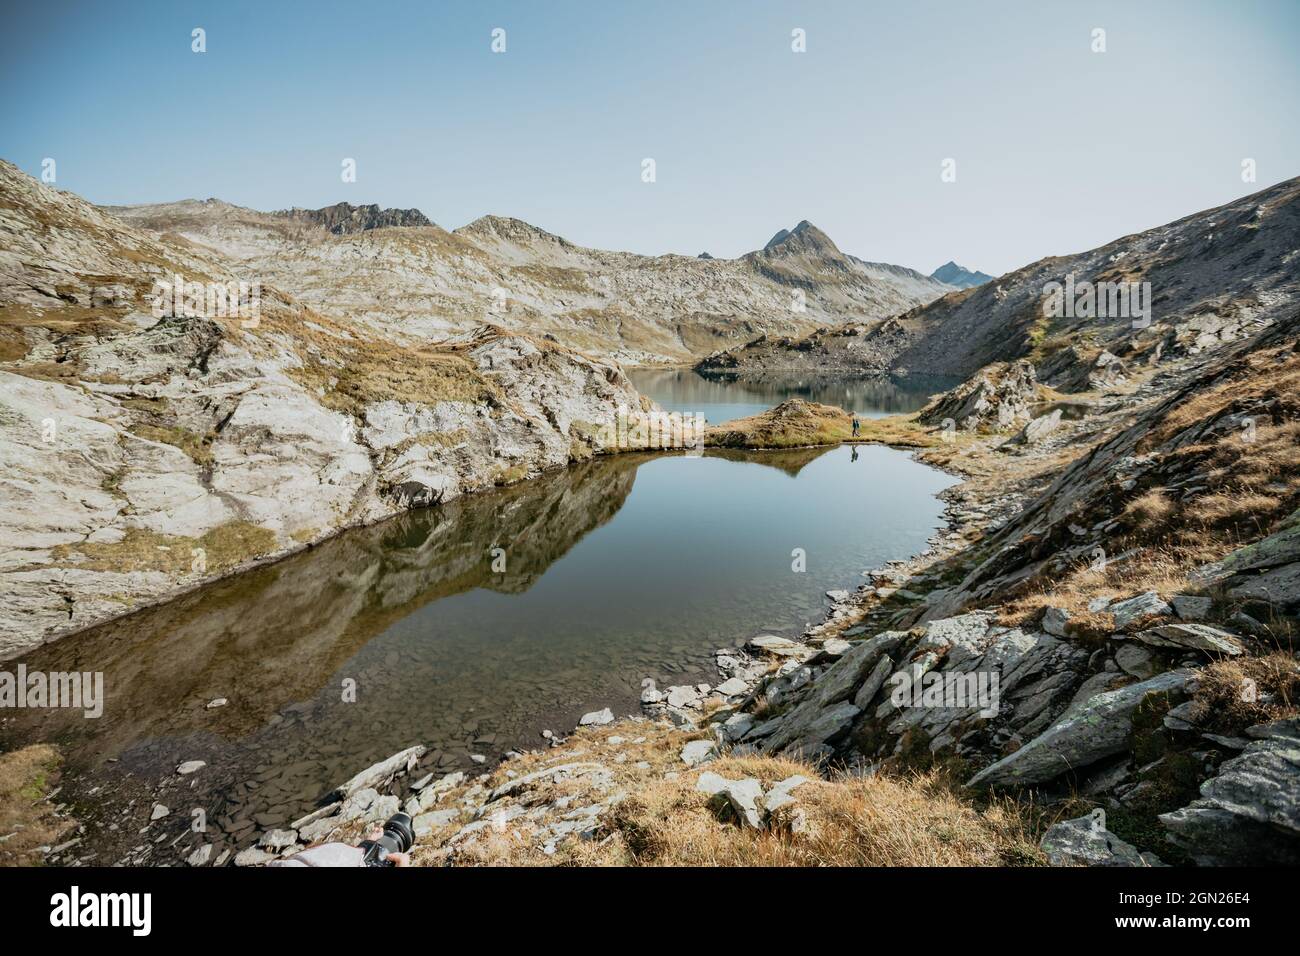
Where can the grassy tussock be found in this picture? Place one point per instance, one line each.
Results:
(26, 776)
(792, 424)
(1237, 693)
(875, 821)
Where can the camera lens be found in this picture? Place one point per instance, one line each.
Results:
(401, 831)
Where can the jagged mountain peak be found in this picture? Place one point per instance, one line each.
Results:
(803, 238)
(960, 276)
(344, 218)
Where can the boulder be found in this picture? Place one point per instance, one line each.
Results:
(997, 396)
(318, 830)
(1140, 606)
(737, 726)
(200, 856)
(1191, 607)
(379, 774)
(597, 718)
(278, 839)
(1137, 660)
(682, 695)
(1055, 620)
(824, 725)
(1085, 841)
(732, 687)
(782, 794)
(1097, 729)
(1198, 637)
(744, 797)
(697, 752)
(780, 646)
(253, 857)
(1039, 428)
(814, 719)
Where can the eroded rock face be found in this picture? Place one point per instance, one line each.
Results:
(999, 397)
(1085, 841)
(142, 456)
(1098, 729)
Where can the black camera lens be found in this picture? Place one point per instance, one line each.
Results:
(402, 828)
(398, 836)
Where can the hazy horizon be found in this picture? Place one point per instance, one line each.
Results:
(1058, 148)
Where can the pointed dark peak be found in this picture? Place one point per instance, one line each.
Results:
(804, 238)
(956, 275)
(781, 236)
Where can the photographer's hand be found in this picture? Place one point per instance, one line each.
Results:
(397, 859)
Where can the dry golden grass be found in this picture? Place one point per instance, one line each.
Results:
(1237, 692)
(26, 776)
(1247, 488)
(792, 424)
(904, 431)
(198, 447)
(662, 821)
(874, 821)
(1151, 508)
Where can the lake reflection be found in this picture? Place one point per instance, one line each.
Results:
(615, 570)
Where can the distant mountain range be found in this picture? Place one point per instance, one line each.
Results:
(959, 276)
(1211, 277)
(399, 272)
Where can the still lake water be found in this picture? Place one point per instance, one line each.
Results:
(617, 569)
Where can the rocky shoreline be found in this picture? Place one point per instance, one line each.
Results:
(764, 664)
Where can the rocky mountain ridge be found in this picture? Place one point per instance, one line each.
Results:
(344, 218)
(421, 283)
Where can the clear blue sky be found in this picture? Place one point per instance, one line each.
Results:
(1058, 148)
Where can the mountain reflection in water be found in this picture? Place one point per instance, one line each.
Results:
(602, 587)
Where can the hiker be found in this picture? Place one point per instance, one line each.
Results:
(856, 425)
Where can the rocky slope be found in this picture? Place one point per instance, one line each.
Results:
(1137, 610)
(1106, 629)
(140, 456)
(422, 283)
(1214, 277)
